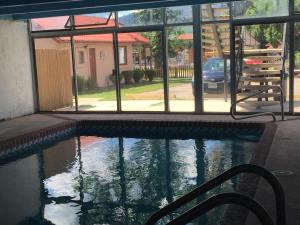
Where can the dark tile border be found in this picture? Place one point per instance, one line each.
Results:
(237, 215)
(247, 185)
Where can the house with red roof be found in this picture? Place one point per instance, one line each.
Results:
(94, 54)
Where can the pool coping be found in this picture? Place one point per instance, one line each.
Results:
(247, 185)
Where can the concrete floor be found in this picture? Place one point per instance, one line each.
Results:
(284, 153)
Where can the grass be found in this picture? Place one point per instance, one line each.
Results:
(109, 94)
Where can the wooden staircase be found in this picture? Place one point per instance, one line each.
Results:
(266, 71)
(256, 69)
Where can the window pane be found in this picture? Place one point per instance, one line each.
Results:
(216, 67)
(179, 14)
(140, 17)
(122, 55)
(215, 11)
(54, 74)
(50, 23)
(142, 79)
(181, 68)
(260, 8)
(297, 6)
(260, 58)
(96, 76)
(94, 20)
(297, 69)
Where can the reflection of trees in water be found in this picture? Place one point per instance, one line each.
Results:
(143, 175)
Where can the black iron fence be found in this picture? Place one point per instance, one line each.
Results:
(178, 71)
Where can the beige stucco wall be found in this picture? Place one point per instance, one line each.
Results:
(104, 61)
(104, 58)
(16, 86)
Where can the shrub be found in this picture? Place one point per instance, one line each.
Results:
(150, 74)
(138, 74)
(85, 84)
(81, 83)
(91, 84)
(127, 75)
(112, 78)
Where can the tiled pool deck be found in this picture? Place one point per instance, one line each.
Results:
(284, 153)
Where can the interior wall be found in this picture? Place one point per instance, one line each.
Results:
(16, 90)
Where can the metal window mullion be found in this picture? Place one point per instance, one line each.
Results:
(117, 71)
(74, 66)
(198, 79)
(232, 65)
(291, 66)
(164, 35)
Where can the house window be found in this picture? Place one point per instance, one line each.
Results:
(81, 59)
(122, 55)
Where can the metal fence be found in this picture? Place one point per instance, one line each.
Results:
(178, 71)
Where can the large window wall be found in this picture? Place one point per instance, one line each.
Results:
(179, 59)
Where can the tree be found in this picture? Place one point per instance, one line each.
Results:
(265, 33)
(155, 16)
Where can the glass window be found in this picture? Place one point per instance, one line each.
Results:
(181, 68)
(140, 17)
(122, 55)
(54, 74)
(260, 8)
(141, 84)
(215, 44)
(96, 77)
(297, 69)
(81, 59)
(180, 14)
(50, 23)
(261, 62)
(297, 6)
(215, 11)
(94, 20)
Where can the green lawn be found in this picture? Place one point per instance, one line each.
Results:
(110, 93)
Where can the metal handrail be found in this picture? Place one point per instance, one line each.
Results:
(246, 168)
(259, 114)
(222, 199)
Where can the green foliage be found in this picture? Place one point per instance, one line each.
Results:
(174, 44)
(297, 60)
(264, 33)
(84, 84)
(138, 74)
(150, 74)
(267, 33)
(127, 75)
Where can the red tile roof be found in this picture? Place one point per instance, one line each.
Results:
(60, 22)
(185, 37)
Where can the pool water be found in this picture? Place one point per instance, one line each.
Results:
(116, 180)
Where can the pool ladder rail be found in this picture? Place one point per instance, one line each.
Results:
(227, 198)
(260, 114)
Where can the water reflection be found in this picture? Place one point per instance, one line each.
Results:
(94, 180)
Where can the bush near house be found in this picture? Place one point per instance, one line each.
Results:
(84, 84)
(150, 74)
(127, 75)
(138, 75)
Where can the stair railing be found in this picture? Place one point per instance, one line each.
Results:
(266, 89)
(228, 198)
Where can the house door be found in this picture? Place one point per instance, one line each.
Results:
(93, 70)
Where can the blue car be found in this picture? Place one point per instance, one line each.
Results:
(213, 75)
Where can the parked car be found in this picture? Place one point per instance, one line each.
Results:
(213, 74)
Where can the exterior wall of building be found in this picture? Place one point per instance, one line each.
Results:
(104, 61)
(16, 86)
(104, 54)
